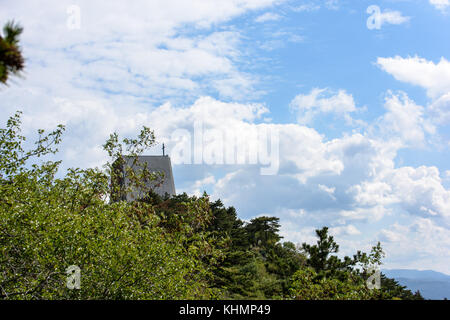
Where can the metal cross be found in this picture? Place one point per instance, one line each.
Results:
(164, 149)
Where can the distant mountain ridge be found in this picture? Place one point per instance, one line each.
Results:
(431, 284)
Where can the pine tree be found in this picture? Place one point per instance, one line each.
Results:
(11, 60)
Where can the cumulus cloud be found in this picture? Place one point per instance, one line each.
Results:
(354, 175)
(421, 243)
(440, 109)
(434, 199)
(341, 182)
(433, 77)
(322, 101)
(417, 191)
(405, 120)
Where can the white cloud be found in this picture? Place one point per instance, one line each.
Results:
(395, 234)
(332, 4)
(440, 109)
(268, 16)
(404, 120)
(314, 5)
(291, 232)
(307, 7)
(417, 191)
(420, 192)
(440, 4)
(149, 51)
(418, 244)
(279, 39)
(320, 101)
(392, 17)
(434, 77)
(349, 230)
(447, 175)
(199, 186)
(328, 190)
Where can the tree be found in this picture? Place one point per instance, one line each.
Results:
(307, 285)
(328, 277)
(322, 258)
(11, 60)
(391, 289)
(263, 231)
(123, 249)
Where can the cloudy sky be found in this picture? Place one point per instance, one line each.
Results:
(354, 95)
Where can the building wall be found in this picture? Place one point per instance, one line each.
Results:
(158, 164)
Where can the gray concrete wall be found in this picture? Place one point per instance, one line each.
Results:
(155, 164)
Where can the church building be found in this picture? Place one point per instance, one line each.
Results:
(164, 186)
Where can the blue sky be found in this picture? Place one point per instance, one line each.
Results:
(361, 113)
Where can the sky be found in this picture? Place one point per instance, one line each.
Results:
(320, 112)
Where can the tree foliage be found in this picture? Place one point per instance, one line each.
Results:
(328, 277)
(124, 249)
(11, 60)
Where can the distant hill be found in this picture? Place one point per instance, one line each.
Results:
(431, 284)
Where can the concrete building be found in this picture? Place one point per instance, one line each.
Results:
(163, 185)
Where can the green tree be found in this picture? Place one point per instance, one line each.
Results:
(391, 289)
(263, 231)
(328, 277)
(322, 256)
(123, 249)
(307, 285)
(11, 60)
